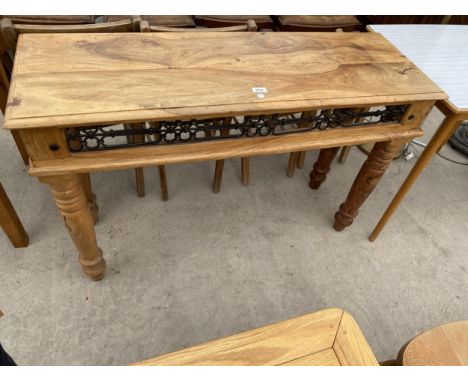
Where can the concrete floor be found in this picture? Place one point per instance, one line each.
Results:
(204, 266)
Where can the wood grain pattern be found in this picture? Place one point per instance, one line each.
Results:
(269, 345)
(350, 345)
(445, 345)
(213, 150)
(81, 79)
(322, 358)
(305, 340)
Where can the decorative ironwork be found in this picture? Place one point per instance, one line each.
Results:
(174, 132)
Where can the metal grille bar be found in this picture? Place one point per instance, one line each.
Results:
(176, 132)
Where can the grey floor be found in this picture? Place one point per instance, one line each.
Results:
(203, 266)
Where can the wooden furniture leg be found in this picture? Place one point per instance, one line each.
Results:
(292, 164)
(344, 154)
(10, 222)
(140, 181)
(139, 172)
(300, 159)
(448, 127)
(70, 198)
(322, 167)
(163, 183)
(371, 172)
(218, 175)
(90, 196)
(245, 171)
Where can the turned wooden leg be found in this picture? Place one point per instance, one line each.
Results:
(10, 222)
(218, 175)
(70, 198)
(322, 167)
(300, 159)
(163, 183)
(90, 197)
(291, 164)
(371, 171)
(344, 154)
(245, 170)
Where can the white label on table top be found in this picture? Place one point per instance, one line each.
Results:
(259, 90)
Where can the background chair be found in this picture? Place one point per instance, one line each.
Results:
(249, 26)
(317, 23)
(51, 20)
(183, 21)
(10, 222)
(209, 21)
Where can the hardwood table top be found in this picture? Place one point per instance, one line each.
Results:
(441, 51)
(62, 80)
(329, 337)
(445, 345)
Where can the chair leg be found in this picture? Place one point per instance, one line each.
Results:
(300, 159)
(245, 169)
(140, 181)
(292, 164)
(163, 183)
(10, 222)
(344, 154)
(218, 175)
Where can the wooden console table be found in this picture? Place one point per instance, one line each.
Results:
(206, 96)
(329, 337)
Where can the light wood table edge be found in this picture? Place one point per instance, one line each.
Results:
(147, 156)
(348, 337)
(215, 111)
(352, 350)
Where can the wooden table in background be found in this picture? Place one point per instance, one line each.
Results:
(329, 337)
(185, 83)
(441, 51)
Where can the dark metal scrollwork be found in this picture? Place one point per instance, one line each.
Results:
(176, 132)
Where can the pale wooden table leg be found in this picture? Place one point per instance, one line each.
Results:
(300, 159)
(344, 154)
(371, 172)
(163, 183)
(245, 171)
(322, 167)
(10, 222)
(448, 127)
(70, 198)
(292, 164)
(91, 198)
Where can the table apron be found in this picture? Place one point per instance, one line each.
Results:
(145, 156)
